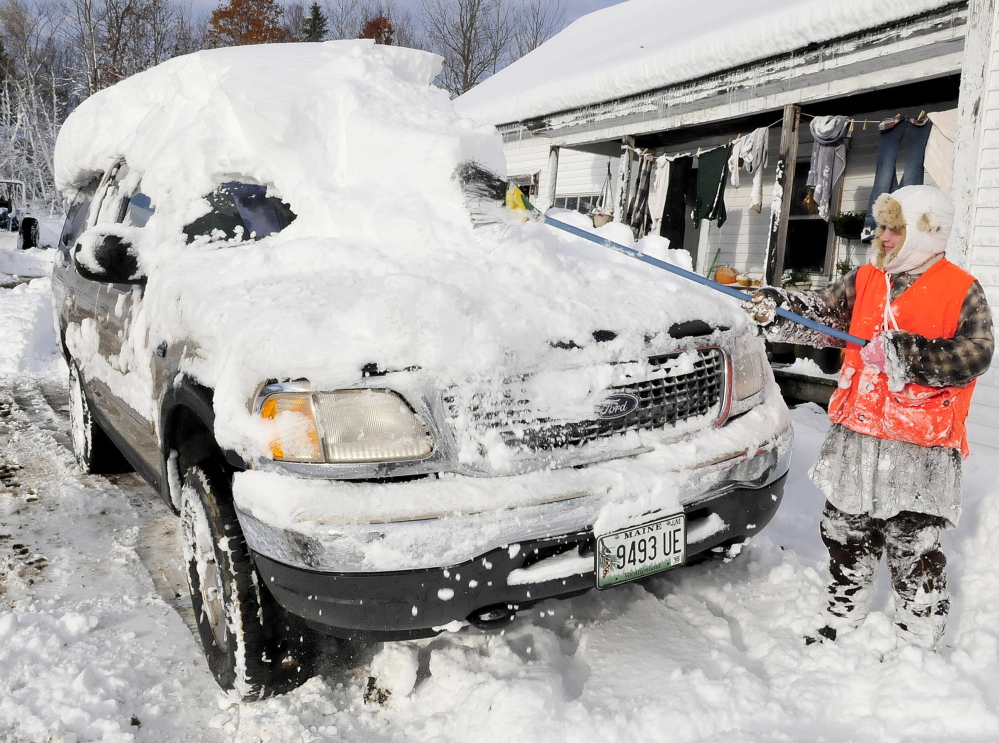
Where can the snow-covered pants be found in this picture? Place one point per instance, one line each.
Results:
(911, 542)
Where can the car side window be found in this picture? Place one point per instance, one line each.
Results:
(240, 211)
(139, 210)
(76, 217)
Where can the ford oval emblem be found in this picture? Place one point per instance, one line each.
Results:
(616, 406)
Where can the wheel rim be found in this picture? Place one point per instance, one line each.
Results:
(211, 586)
(78, 418)
(209, 574)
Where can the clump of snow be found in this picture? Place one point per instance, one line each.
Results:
(394, 669)
(807, 368)
(642, 45)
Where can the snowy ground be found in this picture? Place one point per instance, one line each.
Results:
(94, 645)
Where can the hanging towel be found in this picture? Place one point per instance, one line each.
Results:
(733, 161)
(754, 151)
(939, 160)
(828, 158)
(660, 187)
(712, 172)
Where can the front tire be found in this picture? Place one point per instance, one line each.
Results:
(94, 451)
(252, 645)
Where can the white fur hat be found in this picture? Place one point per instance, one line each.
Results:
(925, 214)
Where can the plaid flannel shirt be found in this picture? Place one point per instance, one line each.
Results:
(941, 362)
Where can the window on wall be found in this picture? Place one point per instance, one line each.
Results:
(527, 183)
(809, 237)
(582, 204)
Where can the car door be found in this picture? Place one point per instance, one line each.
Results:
(119, 373)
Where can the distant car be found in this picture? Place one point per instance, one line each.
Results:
(373, 417)
(15, 214)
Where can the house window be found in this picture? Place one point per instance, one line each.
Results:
(809, 237)
(582, 204)
(527, 183)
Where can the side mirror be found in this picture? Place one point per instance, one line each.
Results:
(108, 258)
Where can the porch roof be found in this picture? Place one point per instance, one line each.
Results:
(648, 65)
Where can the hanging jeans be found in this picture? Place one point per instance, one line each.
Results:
(889, 144)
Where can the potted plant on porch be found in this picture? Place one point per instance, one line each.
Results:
(848, 225)
(797, 279)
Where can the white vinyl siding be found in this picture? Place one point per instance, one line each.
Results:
(983, 422)
(579, 173)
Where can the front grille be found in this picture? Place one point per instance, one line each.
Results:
(680, 388)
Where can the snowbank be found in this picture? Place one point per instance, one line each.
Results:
(642, 45)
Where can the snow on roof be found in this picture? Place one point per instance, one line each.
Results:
(642, 45)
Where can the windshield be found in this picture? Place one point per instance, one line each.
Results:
(240, 211)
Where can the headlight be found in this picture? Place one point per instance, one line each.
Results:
(346, 426)
(747, 374)
(748, 378)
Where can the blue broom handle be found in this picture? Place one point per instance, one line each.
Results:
(741, 296)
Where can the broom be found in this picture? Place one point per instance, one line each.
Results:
(487, 192)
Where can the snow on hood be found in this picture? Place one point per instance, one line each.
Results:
(382, 264)
(641, 45)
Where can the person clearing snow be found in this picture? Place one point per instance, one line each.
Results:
(890, 466)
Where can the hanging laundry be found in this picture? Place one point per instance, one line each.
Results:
(733, 161)
(660, 188)
(674, 215)
(754, 150)
(891, 131)
(712, 172)
(828, 158)
(940, 148)
(638, 210)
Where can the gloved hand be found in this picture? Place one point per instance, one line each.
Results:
(761, 307)
(873, 354)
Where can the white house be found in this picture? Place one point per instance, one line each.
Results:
(648, 78)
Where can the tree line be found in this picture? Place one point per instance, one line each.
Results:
(56, 53)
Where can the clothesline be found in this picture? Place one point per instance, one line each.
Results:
(701, 150)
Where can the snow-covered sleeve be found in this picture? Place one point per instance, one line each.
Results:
(832, 305)
(944, 362)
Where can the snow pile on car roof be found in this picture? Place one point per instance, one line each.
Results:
(641, 45)
(382, 264)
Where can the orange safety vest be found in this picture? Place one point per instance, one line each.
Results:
(928, 416)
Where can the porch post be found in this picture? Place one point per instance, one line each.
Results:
(552, 178)
(780, 205)
(624, 179)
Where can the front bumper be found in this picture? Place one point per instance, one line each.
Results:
(410, 558)
(420, 603)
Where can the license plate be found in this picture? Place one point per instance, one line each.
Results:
(641, 550)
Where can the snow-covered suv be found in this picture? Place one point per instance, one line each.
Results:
(374, 413)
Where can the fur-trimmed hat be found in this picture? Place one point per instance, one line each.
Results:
(923, 215)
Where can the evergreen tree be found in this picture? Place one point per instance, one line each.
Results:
(315, 27)
(380, 29)
(242, 22)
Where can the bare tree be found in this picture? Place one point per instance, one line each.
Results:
(108, 40)
(31, 99)
(538, 21)
(345, 18)
(293, 21)
(475, 37)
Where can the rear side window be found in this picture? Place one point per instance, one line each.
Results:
(240, 211)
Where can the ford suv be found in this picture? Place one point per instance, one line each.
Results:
(373, 413)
